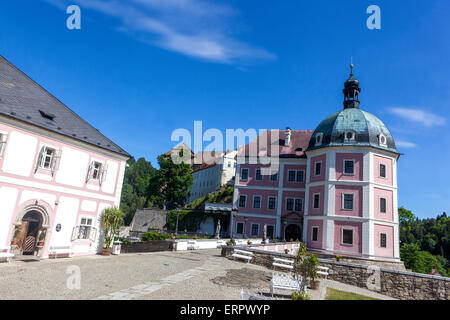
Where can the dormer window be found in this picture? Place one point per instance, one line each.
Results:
(47, 115)
(319, 138)
(383, 140)
(349, 136)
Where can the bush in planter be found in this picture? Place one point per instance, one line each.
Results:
(151, 236)
(229, 243)
(306, 266)
(300, 296)
(111, 220)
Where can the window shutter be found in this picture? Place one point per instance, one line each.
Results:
(104, 170)
(55, 161)
(93, 234)
(41, 154)
(3, 139)
(75, 232)
(89, 174)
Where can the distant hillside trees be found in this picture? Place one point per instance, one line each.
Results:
(145, 186)
(425, 243)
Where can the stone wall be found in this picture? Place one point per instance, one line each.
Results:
(395, 283)
(147, 246)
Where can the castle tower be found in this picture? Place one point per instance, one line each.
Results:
(351, 184)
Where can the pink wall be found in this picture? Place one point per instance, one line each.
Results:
(251, 181)
(389, 251)
(357, 200)
(312, 162)
(295, 195)
(294, 184)
(314, 244)
(264, 200)
(358, 167)
(388, 195)
(357, 236)
(377, 160)
(260, 221)
(312, 191)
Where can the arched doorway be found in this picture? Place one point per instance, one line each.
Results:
(294, 232)
(30, 231)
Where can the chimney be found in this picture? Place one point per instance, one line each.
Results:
(287, 139)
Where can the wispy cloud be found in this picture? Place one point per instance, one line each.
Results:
(420, 116)
(405, 144)
(196, 28)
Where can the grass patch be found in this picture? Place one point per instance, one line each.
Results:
(333, 294)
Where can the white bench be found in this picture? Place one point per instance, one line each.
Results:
(284, 281)
(4, 253)
(241, 254)
(59, 252)
(323, 271)
(192, 245)
(283, 263)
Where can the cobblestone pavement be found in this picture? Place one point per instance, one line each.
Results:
(158, 275)
(190, 275)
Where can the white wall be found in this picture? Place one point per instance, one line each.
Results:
(8, 198)
(20, 155)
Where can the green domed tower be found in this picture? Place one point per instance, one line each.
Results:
(351, 187)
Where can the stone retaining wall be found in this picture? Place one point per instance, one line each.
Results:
(147, 246)
(395, 283)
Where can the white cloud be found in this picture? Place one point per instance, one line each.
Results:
(195, 28)
(422, 117)
(405, 144)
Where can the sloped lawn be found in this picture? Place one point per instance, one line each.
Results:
(333, 294)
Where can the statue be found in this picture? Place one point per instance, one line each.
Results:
(218, 230)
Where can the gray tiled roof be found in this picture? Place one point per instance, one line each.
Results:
(23, 99)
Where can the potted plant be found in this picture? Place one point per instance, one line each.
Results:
(275, 240)
(14, 239)
(229, 243)
(111, 221)
(286, 251)
(338, 258)
(41, 240)
(305, 268)
(249, 242)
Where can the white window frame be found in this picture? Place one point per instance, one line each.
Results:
(251, 229)
(343, 201)
(353, 136)
(248, 173)
(343, 167)
(260, 201)
(239, 201)
(101, 174)
(293, 204)
(319, 141)
(342, 237)
(268, 202)
(312, 233)
(92, 231)
(385, 205)
(44, 149)
(260, 173)
(313, 202)
(314, 168)
(379, 238)
(274, 231)
(379, 171)
(385, 140)
(296, 175)
(302, 206)
(237, 227)
(274, 174)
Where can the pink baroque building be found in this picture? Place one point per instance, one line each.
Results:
(337, 191)
(57, 173)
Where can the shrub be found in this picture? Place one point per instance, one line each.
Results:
(300, 296)
(151, 236)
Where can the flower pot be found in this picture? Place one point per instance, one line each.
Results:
(13, 243)
(106, 251)
(40, 244)
(315, 284)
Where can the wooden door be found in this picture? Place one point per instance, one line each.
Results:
(23, 229)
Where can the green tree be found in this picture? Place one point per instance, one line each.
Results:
(171, 184)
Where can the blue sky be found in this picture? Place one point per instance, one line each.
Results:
(139, 69)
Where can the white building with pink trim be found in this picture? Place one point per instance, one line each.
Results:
(335, 188)
(57, 172)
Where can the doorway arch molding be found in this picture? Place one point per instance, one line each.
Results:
(36, 205)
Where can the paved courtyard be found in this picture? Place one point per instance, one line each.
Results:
(190, 275)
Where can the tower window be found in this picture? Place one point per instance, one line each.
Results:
(347, 201)
(383, 140)
(382, 170)
(244, 174)
(349, 167)
(315, 233)
(382, 205)
(350, 135)
(347, 236)
(319, 138)
(316, 202)
(242, 201)
(383, 240)
(317, 168)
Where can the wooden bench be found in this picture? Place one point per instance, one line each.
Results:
(284, 281)
(241, 254)
(5, 254)
(283, 263)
